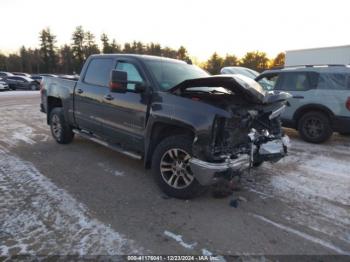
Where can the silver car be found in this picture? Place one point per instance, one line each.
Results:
(3, 85)
(321, 99)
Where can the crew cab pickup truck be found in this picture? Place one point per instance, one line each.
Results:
(192, 129)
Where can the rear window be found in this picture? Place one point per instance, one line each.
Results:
(337, 81)
(98, 71)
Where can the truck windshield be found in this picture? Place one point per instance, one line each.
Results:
(169, 74)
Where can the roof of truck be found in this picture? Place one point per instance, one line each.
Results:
(141, 57)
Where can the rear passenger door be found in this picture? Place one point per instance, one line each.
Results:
(300, 85)
(89, 95)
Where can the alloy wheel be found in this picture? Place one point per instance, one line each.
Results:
(175, 168)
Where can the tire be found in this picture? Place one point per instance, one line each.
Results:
(315, 127)
(175, 177)
(60, 129)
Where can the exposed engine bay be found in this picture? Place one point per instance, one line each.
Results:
(247, 135)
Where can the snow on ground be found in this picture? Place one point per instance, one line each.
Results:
(37, 217)
(19, 93)
(315, 181)
(17, 131)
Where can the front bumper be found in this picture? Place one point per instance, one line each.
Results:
(207, 173)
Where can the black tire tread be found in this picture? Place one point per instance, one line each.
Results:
(327, 133)
(67, 132)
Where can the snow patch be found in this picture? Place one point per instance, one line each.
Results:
(39, 218)
(178, 238)
(304, 235)
(106, 167)
(315, 184)
(19, 93)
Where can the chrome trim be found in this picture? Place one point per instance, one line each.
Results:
(205, 172)
(103, 143)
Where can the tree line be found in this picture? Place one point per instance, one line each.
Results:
(70, 58)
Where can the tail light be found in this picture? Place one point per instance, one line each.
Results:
(347, 104)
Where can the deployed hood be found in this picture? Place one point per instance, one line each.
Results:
(230, 85)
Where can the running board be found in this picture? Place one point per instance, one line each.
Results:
(103, 143)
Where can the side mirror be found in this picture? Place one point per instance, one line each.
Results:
(118, 81)
(140, 87)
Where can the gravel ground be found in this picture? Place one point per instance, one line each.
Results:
(83, 198)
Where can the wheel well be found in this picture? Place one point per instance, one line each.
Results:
(318, 108)
(161, 131)
(52, 102)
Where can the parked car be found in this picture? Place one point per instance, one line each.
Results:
(192, 129)
(239, 70)
(3, 85)
(22, 82)
(37, 78)
(21, 74)
(5, 74)
(320, 104)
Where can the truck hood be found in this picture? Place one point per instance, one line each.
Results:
(230, 85)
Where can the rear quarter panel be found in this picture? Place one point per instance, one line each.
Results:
(62, 89)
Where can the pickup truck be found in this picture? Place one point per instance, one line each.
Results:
(191, 128)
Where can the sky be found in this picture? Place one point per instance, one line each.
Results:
(203, 27)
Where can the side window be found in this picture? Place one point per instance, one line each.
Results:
(348, 83)
(322, 82)
(268, 82)
(295, 82)
(133, 73)
(98, 71)
(337, 81)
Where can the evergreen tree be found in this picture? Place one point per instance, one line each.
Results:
(78, 38)
(214, 64)
(48, 50)
(230, 60)
(255, 60)
(3, 62)
(182, 54)
(90, 46)
(66, 60)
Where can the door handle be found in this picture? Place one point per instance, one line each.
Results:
(299, 97)
(80, 91)
(108, 97)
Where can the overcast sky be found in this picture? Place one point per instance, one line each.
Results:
(225, 26)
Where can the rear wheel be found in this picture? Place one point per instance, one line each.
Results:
(315, 127)
(171, 169)
(60, 129)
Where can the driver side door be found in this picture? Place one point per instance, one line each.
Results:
(125, 118)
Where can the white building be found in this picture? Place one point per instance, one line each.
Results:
(336, 55)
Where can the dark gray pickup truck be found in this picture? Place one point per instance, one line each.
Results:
(192, 129)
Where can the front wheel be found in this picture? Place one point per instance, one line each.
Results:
(60, 129)
(171, 169)
(315, 127)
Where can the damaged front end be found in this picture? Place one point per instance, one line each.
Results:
(247, 136)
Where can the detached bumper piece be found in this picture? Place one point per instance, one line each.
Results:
(205, 171)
